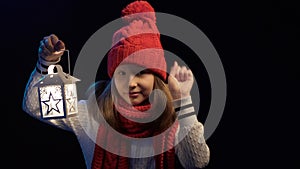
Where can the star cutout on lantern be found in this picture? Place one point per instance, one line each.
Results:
(52, 104)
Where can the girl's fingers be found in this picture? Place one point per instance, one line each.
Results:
(177, 73)
(44, 50)
(54, 39)
(182, 73)
(51, 48)
(189, 74)
(174, 70)
(59, 46)
(48, 44)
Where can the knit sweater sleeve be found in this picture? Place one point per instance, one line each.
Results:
(191, 147)
(81, 124)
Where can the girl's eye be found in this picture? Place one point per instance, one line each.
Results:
(121, 73)
(143, 72)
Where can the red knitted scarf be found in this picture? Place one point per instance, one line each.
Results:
(106, 160)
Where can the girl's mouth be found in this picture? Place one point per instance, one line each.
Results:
(133, 94)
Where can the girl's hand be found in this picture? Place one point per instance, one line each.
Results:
(51, 48)
(180, 81)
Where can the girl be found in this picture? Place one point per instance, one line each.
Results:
(140, 117)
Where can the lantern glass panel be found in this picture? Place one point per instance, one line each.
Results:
(51, 100)
(71, 98)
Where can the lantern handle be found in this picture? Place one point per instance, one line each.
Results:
(51, 69)
(68, 55)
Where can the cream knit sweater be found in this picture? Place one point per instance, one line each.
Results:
(191, 149)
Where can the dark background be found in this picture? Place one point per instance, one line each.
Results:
(256, 41)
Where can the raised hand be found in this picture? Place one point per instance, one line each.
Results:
(51, 48)
(180, 81)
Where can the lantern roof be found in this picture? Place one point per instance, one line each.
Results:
(58, 77)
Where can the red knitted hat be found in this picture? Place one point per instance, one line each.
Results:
(138, 42)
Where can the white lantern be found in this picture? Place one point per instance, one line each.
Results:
(57, 94)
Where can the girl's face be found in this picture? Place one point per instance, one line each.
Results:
(134, 83)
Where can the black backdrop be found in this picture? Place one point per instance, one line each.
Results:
(256, 42)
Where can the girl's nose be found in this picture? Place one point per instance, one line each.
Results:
(133, 82)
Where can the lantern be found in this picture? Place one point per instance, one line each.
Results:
(57, 94)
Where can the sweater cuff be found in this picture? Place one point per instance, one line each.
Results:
(184, 109)
(182, 102)
(42, 65)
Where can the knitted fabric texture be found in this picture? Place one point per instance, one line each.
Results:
(163, 146)
(138, 42)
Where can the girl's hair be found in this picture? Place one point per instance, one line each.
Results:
(103, 92)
